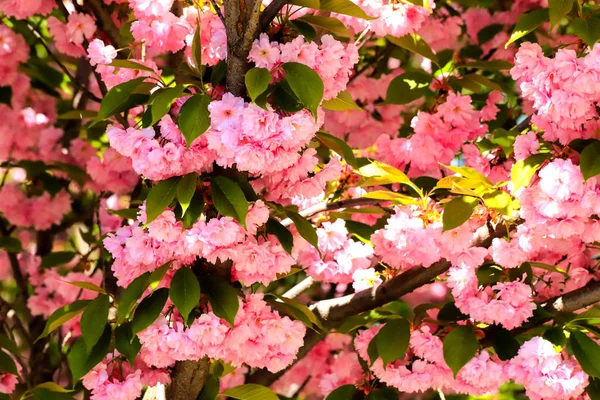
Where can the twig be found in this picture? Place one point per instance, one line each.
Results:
(335, 205)
(270, 12)
(218, 11)
(299, 288)
(77, 84)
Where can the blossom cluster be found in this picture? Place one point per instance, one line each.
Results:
(544, 372)
(331, 59)
(259, 338)
(117, 379)
(137, 251)
(389, 18)
(20, 210)
(437, 136)
(155, 160)
(340, 257)
(330, 364)
(563, 89)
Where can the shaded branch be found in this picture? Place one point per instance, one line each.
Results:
(576, 299)
(335, 205)
(188, 379)
(270, 12)
(107, 25)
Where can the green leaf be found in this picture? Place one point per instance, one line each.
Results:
(119, 63)
(500, 201)
(57, 258)
(229, 199)
(131, 294)
(87, 286)
(339, 146)
(330, 24)
(460, 346)
(78, 114)
(590, 160)
(159, 198)
(492, 65)
(415, 44)
(305, 228)
(185, 291)
(44, 394)
(593, 389)
(197, 50)
(377, 173)
(392, 340)
(342, 102)
(186, 189)
(587, 29)
(458, 211)
(10, 244)
(250, 391)
(7, 364)
(300, 311)
(345, 392)
(7, 344)
(527, 23)
(257, 81)
(194, 210)
(62, 315)
(148, 310)
(52, 387)
(81, 361)
(127, 213)
(408, 87)
(222, 296)
(314, 4)
(587, 353)
(372, 352)
(116, 97)
(345, 7)
(94, 314)
(158, 274)
(558, 10)
(126, 343)
(211, 390)
(488, 33)
(194, 118)
(505, 345)
(505, 139)
(162, 100)
(556, 336)
(306, 84)
(285, 237)
(523, 170)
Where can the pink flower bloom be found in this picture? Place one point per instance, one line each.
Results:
(100, 53)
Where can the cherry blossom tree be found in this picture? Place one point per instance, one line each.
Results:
(299, 199)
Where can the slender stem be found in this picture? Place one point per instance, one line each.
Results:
(335, 205)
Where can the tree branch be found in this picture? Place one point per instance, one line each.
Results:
(299, 288)
(242, 27)
(333, 310)
(107, 25)
(576, 299)
(188, 379)
(270, 12)
(335, 205)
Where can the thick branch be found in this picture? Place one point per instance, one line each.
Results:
(334, 310)
(269, 13)
(188, 379)
(575, 300)
(242, 27)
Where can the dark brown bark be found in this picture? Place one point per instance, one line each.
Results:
(188, 379)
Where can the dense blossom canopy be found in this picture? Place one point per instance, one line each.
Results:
(310, 199)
